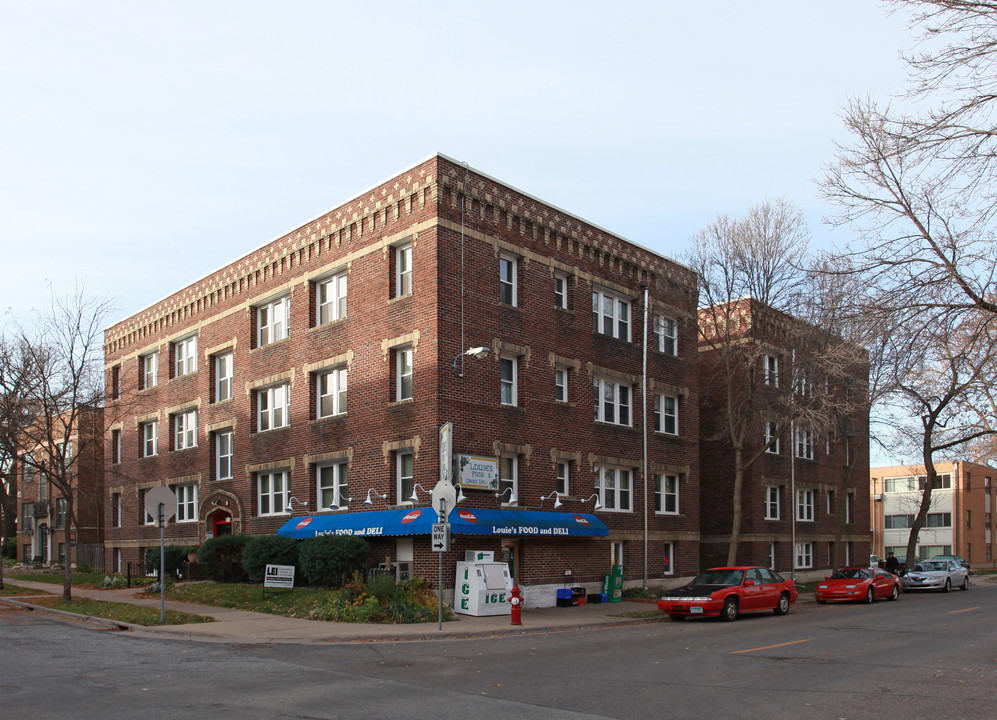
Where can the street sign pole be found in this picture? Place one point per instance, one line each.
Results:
(439, 574)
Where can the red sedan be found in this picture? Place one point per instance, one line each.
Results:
(727, 592)
(858, 584)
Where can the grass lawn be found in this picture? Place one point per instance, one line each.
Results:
(10, 590)
(298, 602)
(120, 612)
(89, 580)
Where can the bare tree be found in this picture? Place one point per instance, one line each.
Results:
(62, 364)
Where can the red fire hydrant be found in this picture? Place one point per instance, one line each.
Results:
(517, 606)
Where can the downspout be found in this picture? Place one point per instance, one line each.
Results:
(647, 311)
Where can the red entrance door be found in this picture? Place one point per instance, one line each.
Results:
(222, 524)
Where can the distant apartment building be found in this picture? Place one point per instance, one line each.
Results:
(959, 521)
(308, 380)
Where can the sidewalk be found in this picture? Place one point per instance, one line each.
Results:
(244, 627)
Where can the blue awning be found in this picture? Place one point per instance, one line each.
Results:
(472, 521)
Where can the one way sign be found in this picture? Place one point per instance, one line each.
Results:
(441, 537)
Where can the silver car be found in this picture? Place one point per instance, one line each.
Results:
(936, 575)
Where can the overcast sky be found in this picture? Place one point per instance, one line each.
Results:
(143, 145)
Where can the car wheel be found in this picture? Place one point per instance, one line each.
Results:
(948, 585)
(895, 595)
(676, 618)
(729, 611)
(965, 583)
(869, 596)
(783, 607)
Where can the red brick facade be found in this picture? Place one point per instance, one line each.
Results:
(459, 224)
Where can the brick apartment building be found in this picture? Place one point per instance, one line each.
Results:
(806, 490)
(960, 520)
(317, 370)
(42, 510)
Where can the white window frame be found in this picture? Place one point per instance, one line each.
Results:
(614, 310)
(273, 407)
(805, 505)
(829, 498)
(185, 356)
(563, 486)
(509, 380)
(804, 555)
(668, 550)
(150, 438)
(666, 414)
(667, 488)
(771, 368)
(273, 321)
(508, 478)
(561, 384)
(666, 330)
(615, 488)
(115, 446)
(185, 430)
(116, 510)
(404, 477)
(804, 444)
(148, 517)
(331, 483)
(611, 409)
(150, 370)
(330, 299)
(849, 497)
(224, 453)
(561, 291)
(404, 373)
(772, 556)
(331, 388)
(224, 376)
(186, 502)
(772, 431)
(403, 270)
(773, 509)
(273, 500)
(508, 280)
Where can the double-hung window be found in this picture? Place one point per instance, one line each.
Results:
(666, 335)
(331, 490)
(403, 270)
(186, 502)
(404, 477)
(61, 508)
(804, 444)
(185, 430)
(331, 392)
(612, 401)
(272, 321)
(615, 488)
(223, 454)
(115, 446)
(561, 384)
(149, 435)
(507, 280)
(150, 370)
(403, 373)
(771, 366)
(804, 555)
(772, 510)
(611, 314)
(185, 356)
(509, 382)
(509, 479)
(666, 491)
(330, 299)
(272, 493)
(772, 438)
(273, 407)
(564, 478)
(561, 291)
(666, 414)
(224, 372)
(805, 505)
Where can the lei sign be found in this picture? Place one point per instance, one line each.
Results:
(480, 473)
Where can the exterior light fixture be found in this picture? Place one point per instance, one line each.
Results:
(376, 494)
(415, 494)
(290, 503)
(478, 351)
(512, 495)
(335, 503)
(595, 496)
(556, 496)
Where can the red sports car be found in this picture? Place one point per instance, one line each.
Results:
(858, 583)
(729, 591)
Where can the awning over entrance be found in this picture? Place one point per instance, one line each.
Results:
(419, 521)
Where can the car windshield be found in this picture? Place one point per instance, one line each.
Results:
(929, 566)
(852, 574)
(719, 577)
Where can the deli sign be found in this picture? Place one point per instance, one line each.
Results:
(480, 473)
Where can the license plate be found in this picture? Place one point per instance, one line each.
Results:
(696, 610)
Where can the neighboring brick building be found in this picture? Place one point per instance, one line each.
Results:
(42, 509)
(960, 520)
(321, 366)
(775, 362)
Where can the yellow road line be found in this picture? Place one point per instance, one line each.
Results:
(769, 647)
(954, 612)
